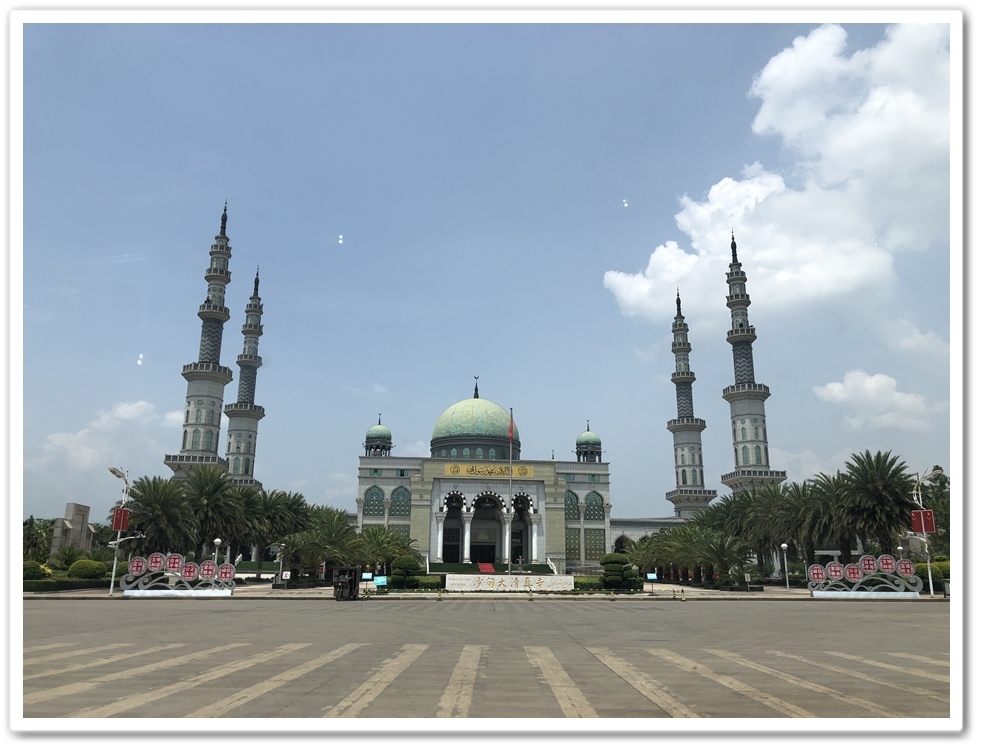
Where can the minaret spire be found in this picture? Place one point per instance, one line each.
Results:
(244, 414)
(690, 493)
(206, 378)
(746, 396)
(475, 386)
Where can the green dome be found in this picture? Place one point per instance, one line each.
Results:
(588, 438)
(378, 432)
(474, 417)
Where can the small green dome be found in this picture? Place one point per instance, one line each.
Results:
(474, 417)
(378, 432)
(588, 438)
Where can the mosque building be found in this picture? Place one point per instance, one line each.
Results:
(474, 499)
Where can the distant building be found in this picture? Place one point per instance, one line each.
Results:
(474, 499)
(74, 530)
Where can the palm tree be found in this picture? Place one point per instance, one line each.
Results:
(219, 511)
(271, 520)
(828, 520)
(722, 552)
(879, 497)
(37, 539)
(160, 511)
(381, 544)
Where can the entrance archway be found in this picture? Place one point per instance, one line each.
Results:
(453, 530)
(486, 529)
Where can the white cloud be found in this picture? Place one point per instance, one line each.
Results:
(105, 438)
(904, 336)
(868, 135)
(874, 402)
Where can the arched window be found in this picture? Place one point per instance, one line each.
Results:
(743, 433)
(594, 510)
(197, 416)
(453, 453)
(208, 438)
(211, 416)
(479, 453)
(491, 453)
(187, 416)
(248, 446)
(756, 433)
(374, 505)
(443, 453)
(184, 442)
(400, 502)
(757, 456)
(682, 458)
(571, 504)
(247, 466)
(467, 452)
(235, 466)
(684, 477)
(195, 439)
(746, 455)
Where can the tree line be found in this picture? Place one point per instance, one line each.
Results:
(868, 504)
(186, 516)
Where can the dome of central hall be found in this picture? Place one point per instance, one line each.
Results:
(474, 417)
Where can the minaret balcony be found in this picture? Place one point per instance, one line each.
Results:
(680, 424)
(683, 376)
(179, 460)
(211, 310)
(679, 325)
(249, 360)
(681, 346)
(253, 330)
(207, 371)
(243, 409)
(737, 275)
(213, 274)
(254, 307)
(741, 299)
(691, 493)
(737, 335)
(742, 390)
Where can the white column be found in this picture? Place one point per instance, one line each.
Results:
(439, 536)
(387, 502)
(467, 536)
(507, 545)
(535, 538)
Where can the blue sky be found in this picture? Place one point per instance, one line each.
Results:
(518, 202)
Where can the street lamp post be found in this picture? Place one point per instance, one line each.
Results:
(917, 496)
(217, 542)
(900, 553)
(119, 474)
(784, 551)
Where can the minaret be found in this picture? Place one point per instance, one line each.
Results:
(746, 398)
(244, 414)
(689, 494)
(206, 377)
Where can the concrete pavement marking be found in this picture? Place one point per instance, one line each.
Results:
(101, 662)
(47, 647)
(807, 684)
(218, 708)
(892, 667)
(924, 659)
(79, 687)
(573, 703)
(649, 687)
(788, 709)
(369, 690)
(111, 709)
(456, 699)
(865, 677)
(80, 652)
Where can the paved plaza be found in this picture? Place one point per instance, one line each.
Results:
(645, 657)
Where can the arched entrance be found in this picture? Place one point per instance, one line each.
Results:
(521, 527)
(486, 529)
(453, 530)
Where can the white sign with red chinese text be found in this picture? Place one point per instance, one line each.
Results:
(505, 584)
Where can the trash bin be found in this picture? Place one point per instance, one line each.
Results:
(944, 585)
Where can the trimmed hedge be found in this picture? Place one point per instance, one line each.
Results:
(89, 569)
(33, 571)
(64, 584)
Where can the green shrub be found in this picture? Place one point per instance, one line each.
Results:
(586, 583)
(405, 564)
(122, 568)
(33, 571)
(939, 570)
(88, 569)
(618, 558)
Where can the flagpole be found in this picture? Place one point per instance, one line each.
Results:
(511, 430)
